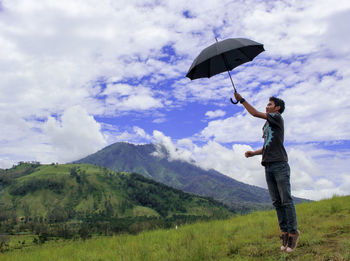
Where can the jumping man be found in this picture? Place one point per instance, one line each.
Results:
(277, 171)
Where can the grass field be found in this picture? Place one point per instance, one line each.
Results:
(324, 226)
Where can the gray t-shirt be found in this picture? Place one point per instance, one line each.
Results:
(273, 134)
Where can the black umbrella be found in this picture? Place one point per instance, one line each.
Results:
(224, 56)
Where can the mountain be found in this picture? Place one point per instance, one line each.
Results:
(180, 174)
(64, 193)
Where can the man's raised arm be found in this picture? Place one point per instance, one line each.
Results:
(250, 108)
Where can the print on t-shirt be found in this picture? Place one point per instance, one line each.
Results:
(267, 134)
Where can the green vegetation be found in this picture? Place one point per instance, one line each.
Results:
(81, 200)
(324, 226)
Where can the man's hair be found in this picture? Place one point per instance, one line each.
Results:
(278, 102)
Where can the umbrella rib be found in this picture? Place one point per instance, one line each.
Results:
(209, 67)
(245, 54)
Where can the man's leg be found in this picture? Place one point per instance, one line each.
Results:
(282, 175)
(275, 197)
(276, 201)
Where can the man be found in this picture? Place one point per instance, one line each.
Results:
(277, 171)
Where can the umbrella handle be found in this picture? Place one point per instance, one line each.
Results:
(233, 101)
(235, 91)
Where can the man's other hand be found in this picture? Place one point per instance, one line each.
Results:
(249, 154)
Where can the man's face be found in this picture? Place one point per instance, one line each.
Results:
(271, 107)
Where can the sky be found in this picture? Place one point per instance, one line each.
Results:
(79, 75)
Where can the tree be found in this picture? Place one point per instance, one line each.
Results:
(4, 239)
(85, 231)
(73, 172)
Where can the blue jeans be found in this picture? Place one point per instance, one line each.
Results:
(277, 177)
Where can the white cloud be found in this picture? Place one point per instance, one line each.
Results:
(337, 29)
(141, 133)
(296, 28)
(215, 114)
(215, 89)
(6, 163)
(123, 97)
(239, 128)
(135, 135)
(75, 135)
(173, 152)
(22, 140)
(159, 120)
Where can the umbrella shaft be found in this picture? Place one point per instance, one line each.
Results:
(228, 70)
(231, 80)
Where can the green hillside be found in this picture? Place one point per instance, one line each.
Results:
(57, 199)
(324, 226)
(181, 175)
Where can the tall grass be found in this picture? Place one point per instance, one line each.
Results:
(324, 226)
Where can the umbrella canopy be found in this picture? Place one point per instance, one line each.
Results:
(223, 56)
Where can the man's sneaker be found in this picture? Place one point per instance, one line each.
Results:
(284, 241)
(292, 242)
